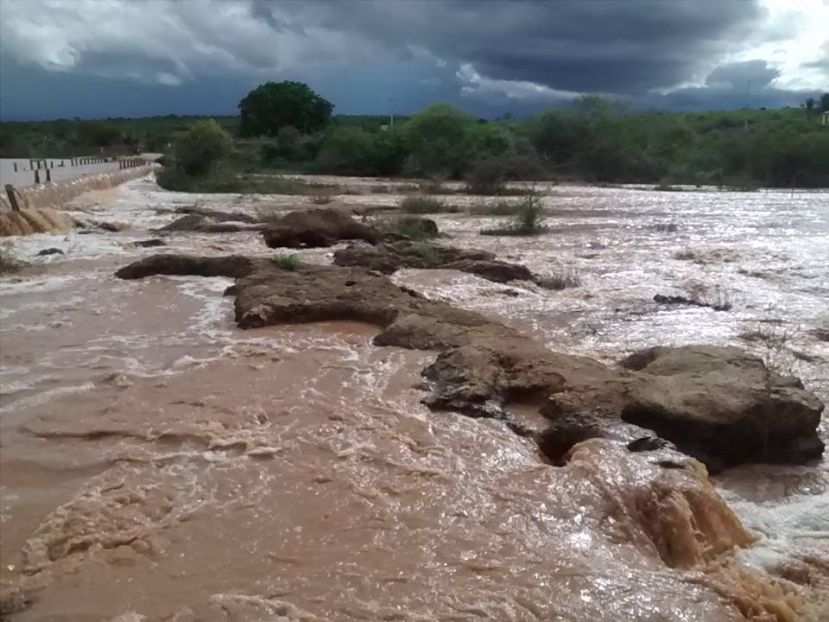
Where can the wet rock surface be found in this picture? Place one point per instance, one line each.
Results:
(50, 251)
(172, 264)
(717, 404)
(721, 404)
(150, 243)
(315, 228)
(389, 257)
(197, 223)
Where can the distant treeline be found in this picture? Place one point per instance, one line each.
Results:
(286, 127)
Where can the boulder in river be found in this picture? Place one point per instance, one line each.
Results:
(149, 243)
(50, 251)
(231, 266)
(317, 227)
(721, 403)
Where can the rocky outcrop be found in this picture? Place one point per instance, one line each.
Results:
(233, 266)
(389, 257)
(317, 227)
(50, 251)
(718, 404)
(200, 224)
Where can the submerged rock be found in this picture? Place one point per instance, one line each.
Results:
(718, 404)
(317, 227)
(9, 264)
(50, 251)
(231, 266)
(113, 227)
(13, 600)
(149, 243)
(389, 257)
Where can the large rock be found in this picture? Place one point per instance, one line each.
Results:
(217, 215)
(718, 404)
(200, 224)
(389, 257)
(317, 227)
(722, 404)
(233, 266)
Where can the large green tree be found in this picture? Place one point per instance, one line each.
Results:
(275, 105)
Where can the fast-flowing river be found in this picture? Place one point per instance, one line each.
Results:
(160, 463)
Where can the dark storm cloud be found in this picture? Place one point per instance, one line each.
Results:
(595, 46)
(368, 56)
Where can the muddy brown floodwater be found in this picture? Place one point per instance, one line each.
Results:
(159, 463)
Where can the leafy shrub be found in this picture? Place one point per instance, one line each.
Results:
(530, 214)
(201, 146)
(528, 220)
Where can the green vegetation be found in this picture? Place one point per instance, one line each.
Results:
(287, 128)
(286, 262)
(66, 138)
(528, 219)
(200, 147)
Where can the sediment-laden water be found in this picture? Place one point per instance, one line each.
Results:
(160, 463)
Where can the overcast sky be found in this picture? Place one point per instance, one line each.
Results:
(98, 58)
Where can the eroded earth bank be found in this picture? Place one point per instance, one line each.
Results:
(250, 408)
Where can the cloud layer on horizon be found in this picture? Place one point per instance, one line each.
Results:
(109, 57)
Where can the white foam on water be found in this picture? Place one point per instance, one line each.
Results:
(47, 396)
(780, 525)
